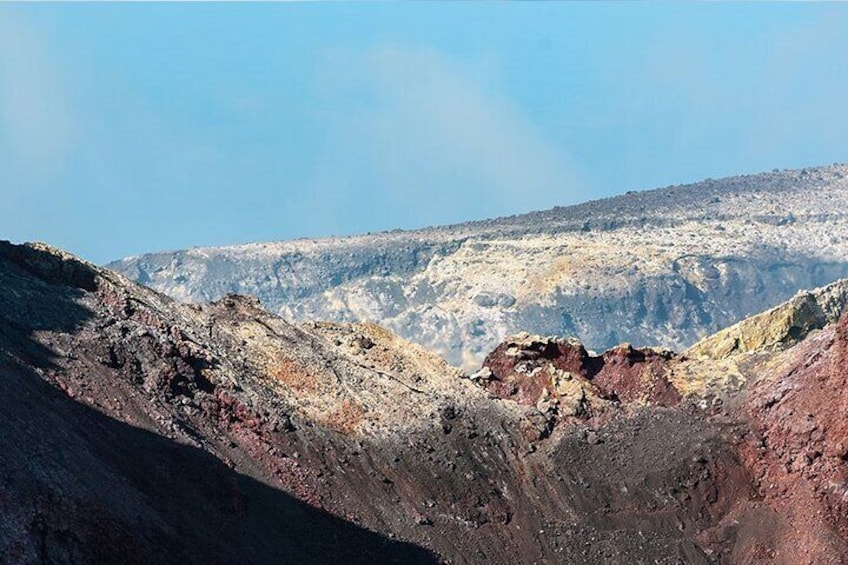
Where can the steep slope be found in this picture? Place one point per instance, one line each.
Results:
(797, 451)
(140, 429)
(112, 464)
(664, 267)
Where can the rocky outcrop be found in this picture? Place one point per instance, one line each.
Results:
(664, 267)
(139, 429)
(560, 376)
(783, 325)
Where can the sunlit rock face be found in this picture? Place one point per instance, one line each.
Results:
(664, 267)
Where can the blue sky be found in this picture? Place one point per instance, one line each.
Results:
(127, 128)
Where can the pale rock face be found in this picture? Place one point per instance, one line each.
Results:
(664, 267)
(779, 327)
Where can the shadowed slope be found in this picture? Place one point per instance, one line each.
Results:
(78, 486)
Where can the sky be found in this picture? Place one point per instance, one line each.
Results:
(129, 128)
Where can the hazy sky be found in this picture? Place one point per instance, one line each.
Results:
(129, 128)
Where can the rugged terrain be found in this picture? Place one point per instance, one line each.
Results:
(140, 429)
(665, 267)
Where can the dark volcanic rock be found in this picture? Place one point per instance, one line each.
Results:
(80, 484)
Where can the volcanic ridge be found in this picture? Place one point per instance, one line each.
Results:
(139, 429)
(661, 267)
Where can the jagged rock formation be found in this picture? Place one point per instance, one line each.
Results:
(780, 326)
(772, 388)
(139, 429)
(665, 267)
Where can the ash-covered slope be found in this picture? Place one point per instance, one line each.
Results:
(139, 429)
(664, 267)
(122, 441)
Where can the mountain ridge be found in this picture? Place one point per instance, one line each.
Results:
(506, 219)
(681, 262)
